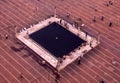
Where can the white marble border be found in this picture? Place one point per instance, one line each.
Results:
(24, 37)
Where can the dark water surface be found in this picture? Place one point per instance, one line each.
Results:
(56, 39)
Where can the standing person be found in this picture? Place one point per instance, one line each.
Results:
(102, 81)
(114, 62)
(107, 5)
(27, 34)
(79, 60)
(94, 19)
(55, 11)
(110, 2)
(16, 30)
(82, 26)
(57, 77)
(68, 15)
(0, 37)
(86, 35)
(6, 36)
(37, 9)
(102, 18)
(79, 21)
(60, 21)
(43, 63)
(91, 44)
(21, 75)
(110, 24)
(98, 38)
(59, 63)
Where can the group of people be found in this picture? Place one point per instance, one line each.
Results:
(102, 19)
(110, 2)
(110, 24)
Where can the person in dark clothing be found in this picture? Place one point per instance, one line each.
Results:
(91, 44)
(57, 76)
(107, 5)
(21, 75)
(60, 21)
(110, 2)
(102, 18)
(79, 60)
(102, 81)
(110, 24)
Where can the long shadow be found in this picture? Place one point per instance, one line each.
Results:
(29, 53)
(15, 49)
(39, 60)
